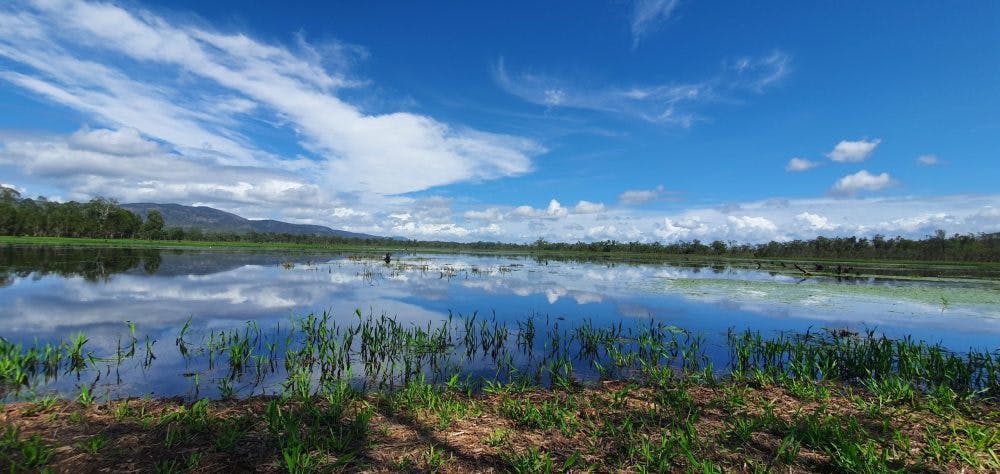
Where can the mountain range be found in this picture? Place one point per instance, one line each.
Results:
(209, 219)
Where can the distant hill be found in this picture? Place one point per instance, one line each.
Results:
(209, 219)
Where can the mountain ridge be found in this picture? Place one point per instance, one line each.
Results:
(210, 219)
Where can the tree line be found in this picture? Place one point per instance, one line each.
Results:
(982, 247)
(99, 218)
(103, 218)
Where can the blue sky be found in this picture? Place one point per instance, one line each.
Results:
(650, 120)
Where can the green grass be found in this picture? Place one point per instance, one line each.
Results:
(23, 453)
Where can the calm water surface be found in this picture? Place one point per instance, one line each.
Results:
(50, 294)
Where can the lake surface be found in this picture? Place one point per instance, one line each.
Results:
(52, 294)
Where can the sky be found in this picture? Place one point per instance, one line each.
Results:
(643, 120)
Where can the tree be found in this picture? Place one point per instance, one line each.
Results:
(100, 210)
(9, 195)
(719, 247)
(122, 224)
(153, 227)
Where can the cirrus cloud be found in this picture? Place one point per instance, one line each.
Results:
(647, 15)
(928, 160)
(670, 103)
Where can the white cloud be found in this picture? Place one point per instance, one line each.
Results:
(555, 210)
(928, 160)
(640, 196)
(612, 232)
(554, 97)
(647, 15)
(671, 231)
(861, 181)
(853, 151)
(345, 212)
(988, 212)
(755, 221)
(491, 230)
(490, 214)
(670, 103)
(814, 221)
(431, 231)
(757, 74)
(986, 219)
(763, 220)
(19, 189)
(587, 207)
(157, 176)
(753, 228)
(386, 154)
(124, 141)
(800, 164)
(922, 223)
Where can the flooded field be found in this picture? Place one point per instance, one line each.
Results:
(236, 323)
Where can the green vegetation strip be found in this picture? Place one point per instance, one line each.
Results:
(126, 243)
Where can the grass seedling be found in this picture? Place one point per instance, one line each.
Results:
(95, 443)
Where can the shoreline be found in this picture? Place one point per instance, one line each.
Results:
(805, 267)
(834, 401)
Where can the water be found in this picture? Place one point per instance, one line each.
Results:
(52, 294)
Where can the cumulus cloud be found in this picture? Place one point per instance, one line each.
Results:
(800, 164)
(928, 160)
(640, 196)
(923, 223)
(432, 231)
(988, 212)
(756, 221)
(587, 207)
(668, 230)
(861, 181)
(613, 232)
(814, 221)
(671, 103)
(760, 221)
(853, 151)
(490, 214)
(554, 211)
(492, 230)
(753, 228)
(96, 162)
